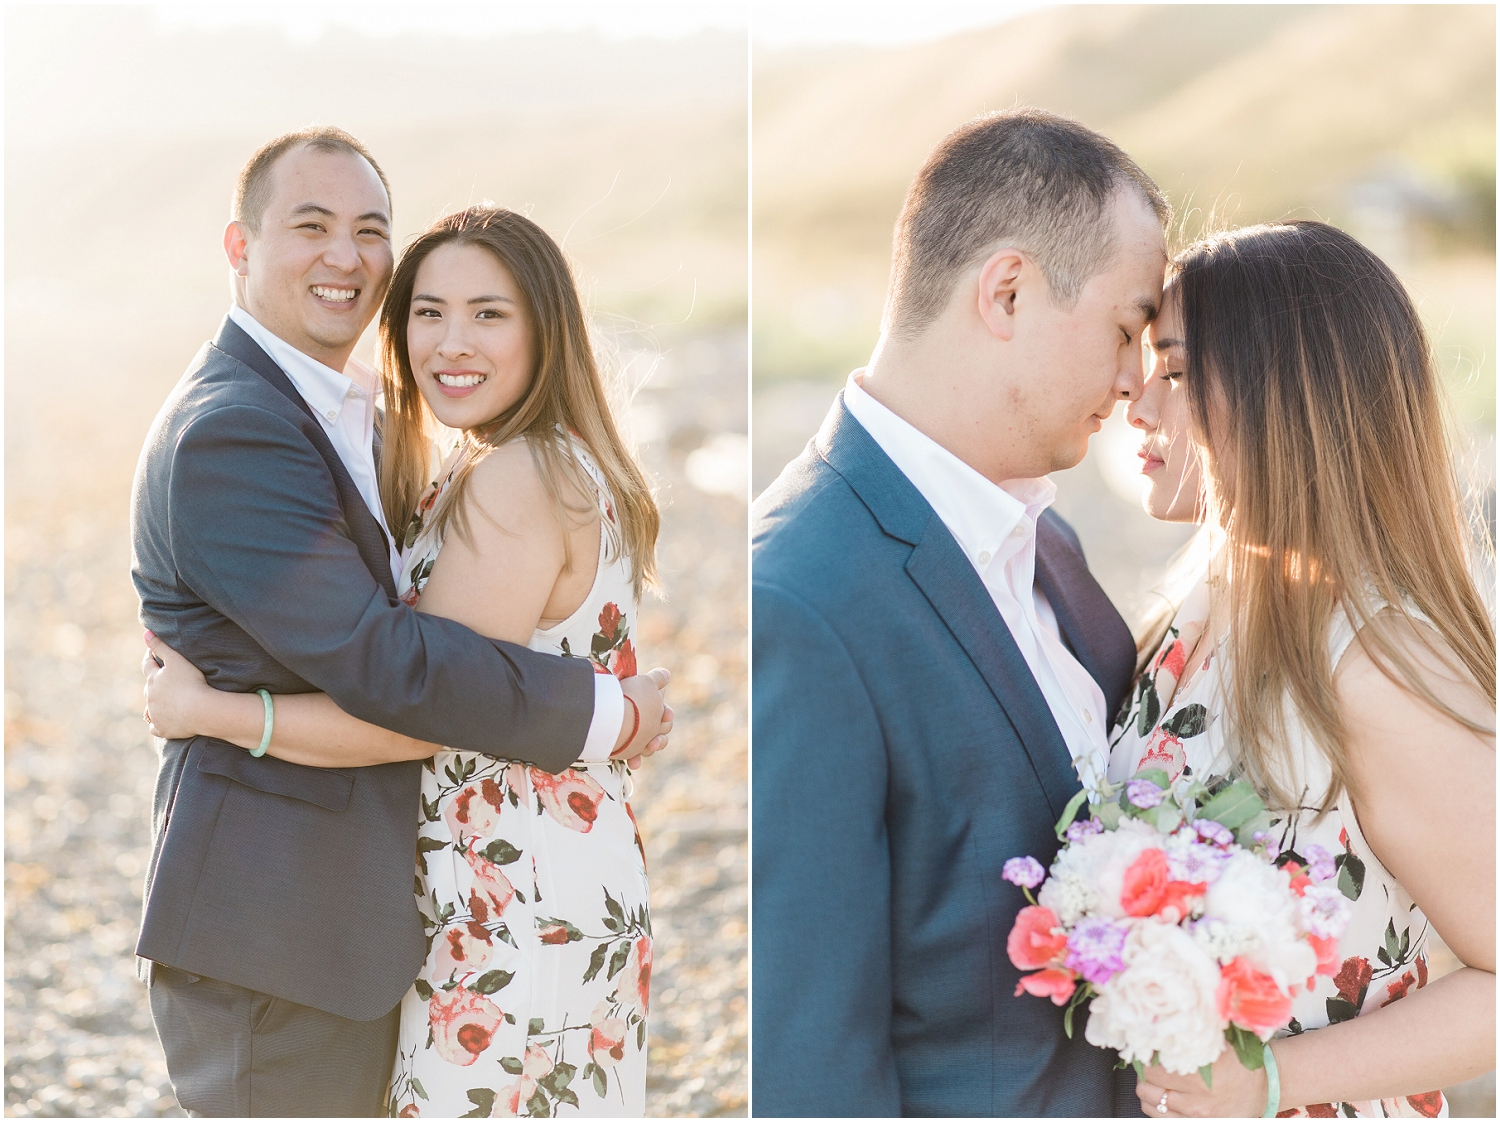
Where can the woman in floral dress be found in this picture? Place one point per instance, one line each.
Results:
(540, 530)
(1331, 647)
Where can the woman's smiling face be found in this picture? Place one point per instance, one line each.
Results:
(1172, 464)
(469, 336)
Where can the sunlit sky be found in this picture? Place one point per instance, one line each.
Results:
(775, 23)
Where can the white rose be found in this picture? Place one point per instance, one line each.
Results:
(1099, 861)
(1253, 896)
(1163, 1001)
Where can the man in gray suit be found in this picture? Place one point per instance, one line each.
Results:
(280, 930)
(934, 667)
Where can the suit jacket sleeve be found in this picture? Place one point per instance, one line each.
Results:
(822, 875)
(258, 533)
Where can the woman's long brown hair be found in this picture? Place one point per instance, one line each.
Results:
(1332, 472)
(566, 394)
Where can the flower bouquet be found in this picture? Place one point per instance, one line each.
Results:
(1171, 912)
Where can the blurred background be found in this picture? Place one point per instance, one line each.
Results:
(1379, 119)
(622, 130)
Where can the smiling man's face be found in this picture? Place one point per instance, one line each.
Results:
(317, 270)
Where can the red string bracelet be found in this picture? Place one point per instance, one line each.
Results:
(635, 728)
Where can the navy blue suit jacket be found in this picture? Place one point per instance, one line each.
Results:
(255, 557)
(903, 752)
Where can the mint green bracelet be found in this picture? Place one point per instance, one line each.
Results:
(1273, 1082)
(265, 736)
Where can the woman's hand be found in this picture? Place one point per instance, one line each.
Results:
(175, 692)
(1237, 1092)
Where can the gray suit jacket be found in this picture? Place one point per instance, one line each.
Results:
(255, 556)
(903, 752)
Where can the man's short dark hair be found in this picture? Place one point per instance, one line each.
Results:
(252, 191)
(1022, 177)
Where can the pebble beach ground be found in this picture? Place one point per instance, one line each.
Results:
(79, 764)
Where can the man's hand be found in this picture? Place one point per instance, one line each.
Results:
(648, 693)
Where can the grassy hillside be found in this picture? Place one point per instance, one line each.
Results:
(1252, 112)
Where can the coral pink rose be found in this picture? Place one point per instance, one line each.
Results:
(635, 976)
(554, 934)
(609, 622)
(1421, 964)
(1300, 879)
(572, 798)
(1251, 999)
(607, 1042)
(625, 661)
(410, 1111)
(491, 885)
(474, 812)
(463, 1024)
(1148, 888)
(460, 952)
(1056, 983)
(1328, 954)
(1035, 940)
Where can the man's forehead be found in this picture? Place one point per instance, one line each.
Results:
(328, 179)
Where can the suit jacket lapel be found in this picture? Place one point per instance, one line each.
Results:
(953, 588)
(1092, 628)
(367, 533)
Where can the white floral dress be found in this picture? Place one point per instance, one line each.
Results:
(532, 888)
(1172, 720)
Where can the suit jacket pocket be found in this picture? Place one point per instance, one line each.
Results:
(328, 788)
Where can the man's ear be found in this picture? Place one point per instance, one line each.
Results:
(999, 281)
(236, 247)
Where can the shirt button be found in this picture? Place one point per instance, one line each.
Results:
(1020, 530)
(1088, 718)
(354, 391)
(332, 414)
(984, 558)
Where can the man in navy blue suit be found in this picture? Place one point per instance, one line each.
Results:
(934, 667)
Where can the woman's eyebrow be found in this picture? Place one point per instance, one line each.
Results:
(1165, 344)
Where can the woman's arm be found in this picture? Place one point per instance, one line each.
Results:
(513, 531)
(309, 728)
(1426, 806)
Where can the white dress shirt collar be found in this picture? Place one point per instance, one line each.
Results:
(323, 388)
(984, 518)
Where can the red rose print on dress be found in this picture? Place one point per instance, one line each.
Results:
(537, 1065)
(490, 884)
(572, 798)
(1429, 1104)
(554, 934)
(458, 952)
(1352, 979)
(625, 661)
(1165, 751)
(474, 811)
(1173, 659)
(635, 977)
(1396, 990)
(607, 1043)
(609, 622)
(463, 1024)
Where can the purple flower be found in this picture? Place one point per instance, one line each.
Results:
(1095, 949)
(1085, 828)
(1320, 864)
(1027, 872)
(1144, 794)
(1263, 837)
(1214, 833)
